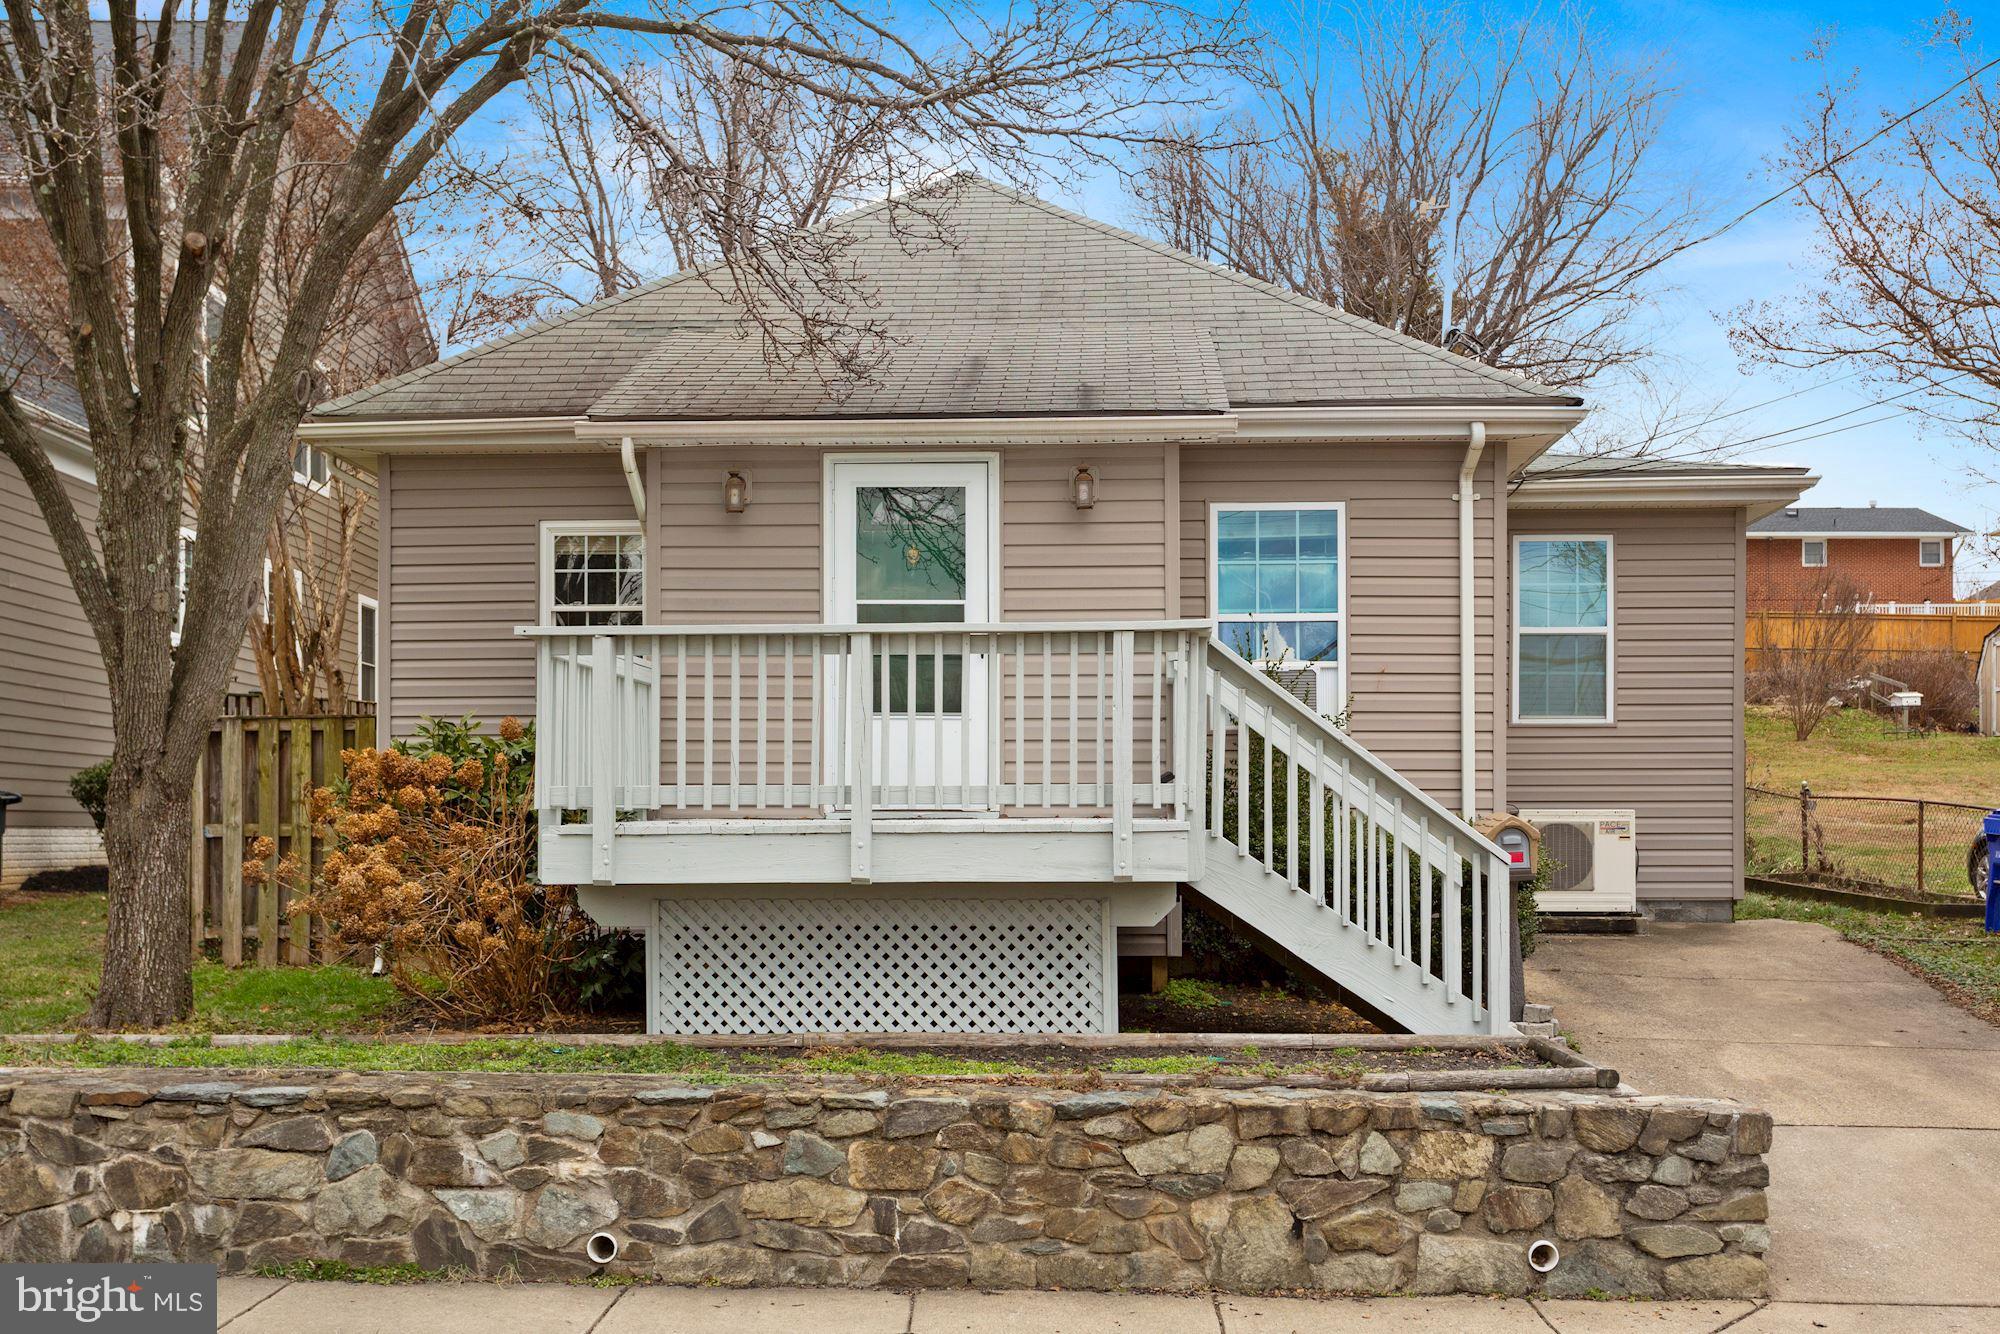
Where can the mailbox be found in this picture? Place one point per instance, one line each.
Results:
(1521, 841)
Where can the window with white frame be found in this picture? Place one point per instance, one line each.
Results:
(1279, 588)
(1562, 629)
(1812, 553)
(1930, 552)
(593, 573)
(367, 647)
(183, 563)
(310, 467)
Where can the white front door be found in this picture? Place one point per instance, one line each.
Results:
(912, 543)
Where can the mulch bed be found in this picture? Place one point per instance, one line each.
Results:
(1243, 1010)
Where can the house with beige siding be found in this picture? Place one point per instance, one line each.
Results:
(1123, 580)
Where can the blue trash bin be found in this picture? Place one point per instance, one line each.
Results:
(1993, 871)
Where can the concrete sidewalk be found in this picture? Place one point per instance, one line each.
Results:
(1885, 1169)
(270, 1306)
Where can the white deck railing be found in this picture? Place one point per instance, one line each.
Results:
(1293, 825)
(853, 721)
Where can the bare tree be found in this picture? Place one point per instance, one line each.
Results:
(1808, 667)
(1903, 278)
(585, 203)
(1538, 153)
(153, 154)
(299, 641)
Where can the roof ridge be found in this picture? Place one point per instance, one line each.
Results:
(1285, 294)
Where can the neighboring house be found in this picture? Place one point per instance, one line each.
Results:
(1889, 554)
(917, 706)
(55, 713)
(55, 707)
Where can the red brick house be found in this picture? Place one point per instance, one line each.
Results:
(1892, 555)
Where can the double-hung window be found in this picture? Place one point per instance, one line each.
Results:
(1812, 553)
(367, 647)
(1562, 629)
(1930, 553)
(1278, 586)
(593, 573)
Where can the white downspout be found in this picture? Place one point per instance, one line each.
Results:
(1468, 747)
(630, 458)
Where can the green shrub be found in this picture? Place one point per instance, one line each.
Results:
(89, 787)
(609, 972)
(1190, 992)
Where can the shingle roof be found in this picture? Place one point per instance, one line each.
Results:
(1857, 521)
(1596, 465)
(39, 376)
(1021, 308)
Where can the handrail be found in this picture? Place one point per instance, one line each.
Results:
(877, 628)
(1392, 864)
(1378, 768)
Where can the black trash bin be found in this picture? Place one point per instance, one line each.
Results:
(6, 799)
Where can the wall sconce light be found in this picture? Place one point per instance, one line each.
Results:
(1083, 489)
(736, 493)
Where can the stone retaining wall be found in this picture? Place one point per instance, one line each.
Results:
(835, 1182)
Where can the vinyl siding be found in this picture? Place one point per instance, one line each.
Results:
(462, 558)
(1674, 752)
(55, 705)
(55, 708)
(1402, 585)
(1056, 563)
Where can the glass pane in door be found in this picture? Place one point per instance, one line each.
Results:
(910, 568)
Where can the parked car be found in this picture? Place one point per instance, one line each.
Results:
(1978, 867)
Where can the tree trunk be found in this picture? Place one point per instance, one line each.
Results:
(148, 951)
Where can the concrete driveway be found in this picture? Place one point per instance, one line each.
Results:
(1885, 1169)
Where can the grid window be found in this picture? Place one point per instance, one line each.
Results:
(1278, 587)
(594, 575)
(1562, 628)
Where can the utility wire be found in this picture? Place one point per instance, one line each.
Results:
(1835, 160)
(1736, 221)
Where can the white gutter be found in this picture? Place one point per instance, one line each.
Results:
(629, 460)
(1467, 498)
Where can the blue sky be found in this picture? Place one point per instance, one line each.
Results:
(1743, 81)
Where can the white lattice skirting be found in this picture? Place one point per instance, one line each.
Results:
(968, 965)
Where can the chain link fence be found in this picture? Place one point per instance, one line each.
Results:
(1894, 843)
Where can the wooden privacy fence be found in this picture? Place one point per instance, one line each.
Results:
(1888, 632)
(254, 780)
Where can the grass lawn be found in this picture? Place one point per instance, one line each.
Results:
(49, 948)
(1955, 955)
(1861, 752)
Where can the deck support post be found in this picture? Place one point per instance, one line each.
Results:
(604, 758)
(1121, 755)
(860, 748)
(1499, 946)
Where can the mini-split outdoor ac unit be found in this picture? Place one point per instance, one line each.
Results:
(1596, 856)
